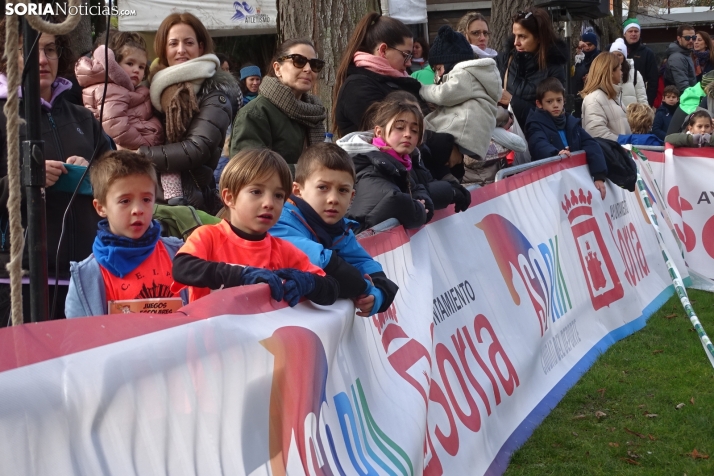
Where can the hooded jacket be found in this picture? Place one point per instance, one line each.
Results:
(87, 293)
(363, 87)
(293, 227)
(384, 188)
(467, 98)
(544, 141)
(646, 64)
(633, 91)
(128, 117)
(524, 75)
(604, 117)
(680, 67)
(218, 100)
(67, 130)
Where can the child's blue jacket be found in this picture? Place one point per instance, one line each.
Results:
(292, 227)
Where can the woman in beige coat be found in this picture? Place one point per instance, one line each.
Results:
(603, 115)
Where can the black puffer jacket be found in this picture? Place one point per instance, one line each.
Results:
(646, 63)
(218, 101)
(441, 192)
(384, 190)
(67, 130)
(364, 87)
(524, 75)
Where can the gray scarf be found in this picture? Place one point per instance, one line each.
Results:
(308, 110)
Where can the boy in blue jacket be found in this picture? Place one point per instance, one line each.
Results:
(313, 220)
(131, 263)
(551, 131)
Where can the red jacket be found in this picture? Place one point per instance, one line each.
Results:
(128, 116)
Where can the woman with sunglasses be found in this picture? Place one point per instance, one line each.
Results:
(374, 64)
(71, 136)
(198, 101)
(284, 117)
(533, 54)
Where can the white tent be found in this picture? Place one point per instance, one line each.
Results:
(249, 17)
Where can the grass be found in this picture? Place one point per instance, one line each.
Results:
(638, 385)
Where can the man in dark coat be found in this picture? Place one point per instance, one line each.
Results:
(644, 58)
(679, 71)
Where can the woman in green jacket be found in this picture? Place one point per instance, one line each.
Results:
(284, 117)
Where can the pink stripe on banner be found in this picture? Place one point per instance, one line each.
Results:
(32, 343)
(654, 156)
(695, 152)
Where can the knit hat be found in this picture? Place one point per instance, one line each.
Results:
(249, 71)
(707, 79)
(589, 37)
(619, 46)
(450, 47)
(630, 23)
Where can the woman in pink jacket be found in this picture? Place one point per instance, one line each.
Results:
(128, 116)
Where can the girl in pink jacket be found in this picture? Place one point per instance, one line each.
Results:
(128, 116)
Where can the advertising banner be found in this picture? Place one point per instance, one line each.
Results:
(500, 310)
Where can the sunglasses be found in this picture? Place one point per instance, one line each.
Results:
(299, 61)
(521, 15)
(690, 37)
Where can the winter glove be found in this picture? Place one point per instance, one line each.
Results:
(297, 284)
(251, 275)
(462, 198)
(699, 140)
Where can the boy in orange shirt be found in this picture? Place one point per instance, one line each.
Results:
(130, 260)
(239, 251)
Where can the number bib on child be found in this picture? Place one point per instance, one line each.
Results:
(149, 282)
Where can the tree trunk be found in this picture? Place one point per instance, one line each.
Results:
(502, 13)
(632, 9)
(80, 39)
(617, 10)
(329, 24)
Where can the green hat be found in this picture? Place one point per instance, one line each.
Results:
(630, 23)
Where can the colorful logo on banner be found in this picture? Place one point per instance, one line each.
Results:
(297, 395)
(603, 282)
(539, 269)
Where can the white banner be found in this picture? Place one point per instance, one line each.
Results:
(221, 18)
(685, 178)
(500, 310)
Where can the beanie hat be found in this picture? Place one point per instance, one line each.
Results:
(630, 23)
(589, 37)
(249, 71)
(450, 47)
(619, 46)
(707, 79)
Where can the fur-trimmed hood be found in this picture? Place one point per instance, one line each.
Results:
(223, 81)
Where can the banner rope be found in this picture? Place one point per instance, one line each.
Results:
(674, 272)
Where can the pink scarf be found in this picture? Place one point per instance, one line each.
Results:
(387, 149)
(377, 65)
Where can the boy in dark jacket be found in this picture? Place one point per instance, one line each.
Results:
(663, 116)
(551, 132)
(313, 220)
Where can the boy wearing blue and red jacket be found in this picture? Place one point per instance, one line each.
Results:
(313, 220)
